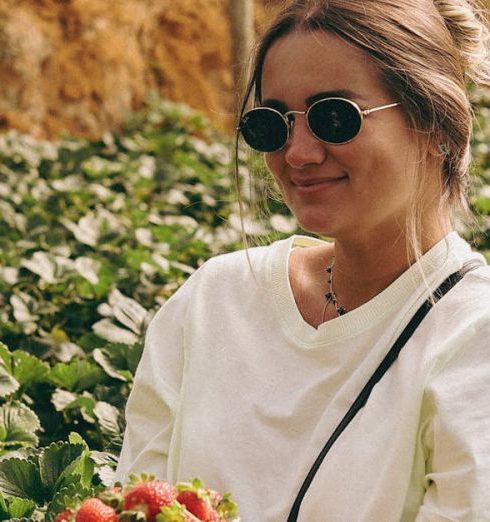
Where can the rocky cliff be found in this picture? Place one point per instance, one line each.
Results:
(79, 66)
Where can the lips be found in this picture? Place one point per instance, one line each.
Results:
(316, 181)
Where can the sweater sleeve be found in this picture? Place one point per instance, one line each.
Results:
(153, 401)
(457, 440)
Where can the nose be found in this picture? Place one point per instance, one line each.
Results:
(303, 148)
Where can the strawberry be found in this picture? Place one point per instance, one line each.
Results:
(65, 516)
(94, 510)
(149, 496)
(198, 504)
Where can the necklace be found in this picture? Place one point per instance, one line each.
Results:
(330, 295)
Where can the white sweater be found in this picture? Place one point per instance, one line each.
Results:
(236, 388)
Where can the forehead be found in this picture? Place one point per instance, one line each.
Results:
(303, 63)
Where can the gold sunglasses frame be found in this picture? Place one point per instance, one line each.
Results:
(290, 121)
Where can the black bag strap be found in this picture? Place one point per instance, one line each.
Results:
(385, 364)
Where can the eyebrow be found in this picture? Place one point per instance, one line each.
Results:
(340, 93)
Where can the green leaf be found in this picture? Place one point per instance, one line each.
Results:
(20, 424)
(108, 417)
(77, 375)
(19, 507)
(66, 497)
(483, 204)
(55, 459)
(28, 369)
(76, 438)
(79, 471)
(102, 358)
(20, 478)
(124, 356)
(5, 355)
(8, 384)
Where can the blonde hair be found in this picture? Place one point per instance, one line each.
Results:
(426, 52)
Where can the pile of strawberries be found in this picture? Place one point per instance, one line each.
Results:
(146, 499)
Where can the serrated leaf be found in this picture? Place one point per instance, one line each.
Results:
(106, 329)
(19, 507)
(77, 375)
(101, 358)
(61, 399)
(88, 268)
(128, 311)
(20, 423)
(85, 403)
(107, 475)
(76, 438)
(20, 478)
(66, 496)
(42, 264)
(5, 355)
(79, 471)
(108, 417)
(55, 459)
(8, 384)
(28, 369)
(3, 508)
(124, 356)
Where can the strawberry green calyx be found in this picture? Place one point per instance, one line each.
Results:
(175, 513)
(194, 484)
(132, 516)
(227, 508)
(134, 479)
(113, 497)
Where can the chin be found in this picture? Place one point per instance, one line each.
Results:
(325, 225)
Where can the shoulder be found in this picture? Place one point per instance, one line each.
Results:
(457, 337)
(253, 262)
(225, 271)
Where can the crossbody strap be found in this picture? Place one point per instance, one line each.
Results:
(388, 360)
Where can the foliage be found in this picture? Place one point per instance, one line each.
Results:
(94, 237)
(480, 190)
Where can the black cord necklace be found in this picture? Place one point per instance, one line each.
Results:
(330, 295)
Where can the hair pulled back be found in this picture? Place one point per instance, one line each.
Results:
(426, 52)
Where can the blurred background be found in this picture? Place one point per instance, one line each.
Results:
(79, 66)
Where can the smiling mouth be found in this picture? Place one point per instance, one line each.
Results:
(317, 182)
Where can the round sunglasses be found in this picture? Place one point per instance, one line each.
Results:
(332, 120)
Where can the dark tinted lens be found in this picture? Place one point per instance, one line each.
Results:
(264, 129)
(335, 121)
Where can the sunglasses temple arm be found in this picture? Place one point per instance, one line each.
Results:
(365, 112)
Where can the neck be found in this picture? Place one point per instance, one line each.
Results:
(365, 268)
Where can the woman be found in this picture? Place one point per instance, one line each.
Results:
(362, 112)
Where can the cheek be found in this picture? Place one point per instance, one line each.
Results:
(274, 163)
(271, 161)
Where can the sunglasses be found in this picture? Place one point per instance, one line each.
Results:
(332, 120)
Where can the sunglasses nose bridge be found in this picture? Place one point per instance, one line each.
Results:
(290, 121)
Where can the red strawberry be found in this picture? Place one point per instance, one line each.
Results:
(94, 510)
(198, 505)
(64, 516)
(149, 496)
